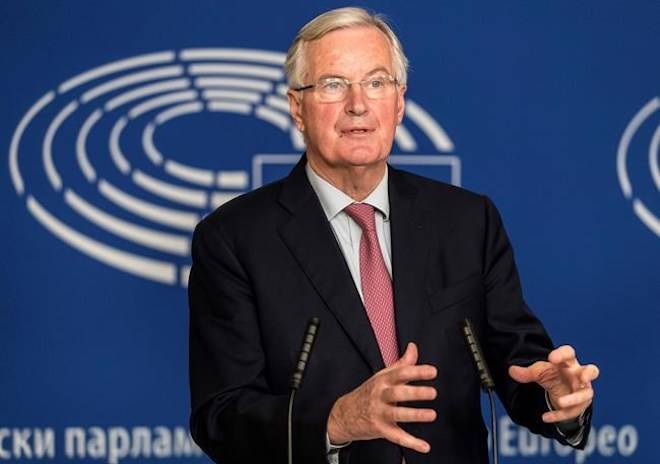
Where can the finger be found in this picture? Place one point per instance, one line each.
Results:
(589, 373)
(402, 393)
(564, 355)
(400, 437)
(573, 399)
(528, 374)
(562, 415)
(403, 414)
(405, 374)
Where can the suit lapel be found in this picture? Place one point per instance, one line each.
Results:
(309, 237)
(410, 235)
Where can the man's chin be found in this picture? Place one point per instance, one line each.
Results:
(364, 158)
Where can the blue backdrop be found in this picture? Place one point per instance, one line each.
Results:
(124, 122)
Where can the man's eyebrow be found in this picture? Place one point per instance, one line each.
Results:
(370, 73)
(331, 76)
(378, 69)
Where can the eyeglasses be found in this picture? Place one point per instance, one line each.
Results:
(335, 89)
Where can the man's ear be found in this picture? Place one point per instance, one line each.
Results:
(295, 109)
(401, 103)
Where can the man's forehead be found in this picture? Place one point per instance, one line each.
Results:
(360, 50)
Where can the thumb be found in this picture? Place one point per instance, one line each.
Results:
(410, 356)
(522, 374)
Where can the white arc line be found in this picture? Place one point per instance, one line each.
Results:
(654, 148)
(236, 69)
(161, 241)
(130, 79)
(232, 180)
(228, 80)
(220, 198)
(177, 219)
(646, 216)
(116, 66)
(81, 152)
(627, 136)
(49, 166)
(16, 138)
(233, 83)
(198, 176)
(182, 195)
(278, 103)
(115, 150)
(274, 117)
(403, 139)
(237, 54)
(159, 271)
(250, 97)
(145, 91)
(164, 100)
(435, 133)
(148, 144)
(179, 110)
(228, 107)
(184, 275)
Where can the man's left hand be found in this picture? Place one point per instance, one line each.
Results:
(567, 382)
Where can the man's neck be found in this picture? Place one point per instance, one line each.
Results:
(355, 181)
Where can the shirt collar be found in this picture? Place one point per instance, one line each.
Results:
(334, 200)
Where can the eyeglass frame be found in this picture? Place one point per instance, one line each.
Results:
(348, 83)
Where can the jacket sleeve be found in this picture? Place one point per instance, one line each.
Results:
(513, 333)
(236, 417)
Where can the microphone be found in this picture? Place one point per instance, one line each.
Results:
(487, 383)
(298, 374)
(305, 350)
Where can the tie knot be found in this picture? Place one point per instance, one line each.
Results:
(363, 214)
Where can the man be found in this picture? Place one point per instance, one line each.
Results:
(391, 263)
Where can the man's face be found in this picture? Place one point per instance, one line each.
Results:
(357, 131)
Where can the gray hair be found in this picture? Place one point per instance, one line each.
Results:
(341, 18)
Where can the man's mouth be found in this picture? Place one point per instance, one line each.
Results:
(356, 131)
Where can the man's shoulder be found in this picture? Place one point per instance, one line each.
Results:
(245, 210)
(467, 213)
(434, 193)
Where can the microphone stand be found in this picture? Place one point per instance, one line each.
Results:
(487, 383)
(297, 377)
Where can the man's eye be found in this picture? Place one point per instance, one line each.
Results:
(333, 86)
(376, 83)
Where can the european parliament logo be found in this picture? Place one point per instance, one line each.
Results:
(121, 161)
(640, 142)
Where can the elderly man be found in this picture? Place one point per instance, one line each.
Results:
(391, 263)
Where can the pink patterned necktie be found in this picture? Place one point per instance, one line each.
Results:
(376, 282)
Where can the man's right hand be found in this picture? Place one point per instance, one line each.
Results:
(372, 411)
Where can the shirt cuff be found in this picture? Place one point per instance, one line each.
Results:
(332, 448)
(571, 430)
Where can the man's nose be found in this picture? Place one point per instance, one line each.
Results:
(356, 100)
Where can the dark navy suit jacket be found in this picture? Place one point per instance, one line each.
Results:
(266, 262)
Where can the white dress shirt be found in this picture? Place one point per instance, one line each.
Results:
(347, 232)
